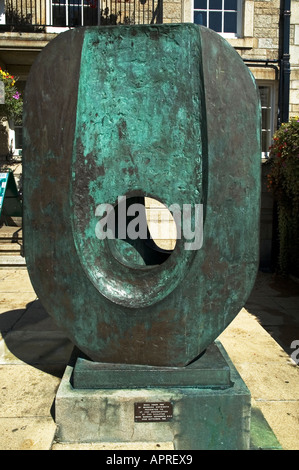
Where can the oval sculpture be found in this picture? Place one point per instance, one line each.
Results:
(165, 111)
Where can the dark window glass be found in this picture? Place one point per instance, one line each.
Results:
(265, 142)
(230, 22)
(215, 22)
(18, 137)
(90, 16)
(74, 15)
(230, 5)
(59, 18)
(200, 17)
(200, 4)
(215, 5)
(264, 95)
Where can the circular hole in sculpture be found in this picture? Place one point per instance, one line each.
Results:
(145, 232)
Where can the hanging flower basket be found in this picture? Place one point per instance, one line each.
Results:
(12, 109)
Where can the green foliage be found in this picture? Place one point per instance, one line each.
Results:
(283, 181)
(13, 107)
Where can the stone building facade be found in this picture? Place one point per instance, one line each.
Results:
(264, 32)
(258, 35)
(259, 41)
(256, 29)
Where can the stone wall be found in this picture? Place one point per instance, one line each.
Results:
(172, 11)
(265, 31)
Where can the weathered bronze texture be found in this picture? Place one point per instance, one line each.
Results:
(209, 370)
(166, 111)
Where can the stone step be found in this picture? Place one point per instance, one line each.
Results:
(11, 241)
(7, 261)
(10, 234)
(10, 247)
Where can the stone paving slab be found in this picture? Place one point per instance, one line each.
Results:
(282, 416)
(25, 391)
(27, 433)
(269, 373)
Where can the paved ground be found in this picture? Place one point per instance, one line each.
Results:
(33, 355)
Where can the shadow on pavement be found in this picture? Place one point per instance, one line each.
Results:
(274, 300)
(30, 335)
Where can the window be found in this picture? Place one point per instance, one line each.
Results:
(223, 16)
(15, 139)
(2, 12)
(19, 138)
(267, 104)
(74, 12)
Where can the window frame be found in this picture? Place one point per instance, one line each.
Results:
(81, 5)
(238, 32)
(14, 150)
(271, 107)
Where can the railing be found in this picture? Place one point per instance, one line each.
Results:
(42, 15)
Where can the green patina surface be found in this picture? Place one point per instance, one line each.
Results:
(138, 132)
(168, 111)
